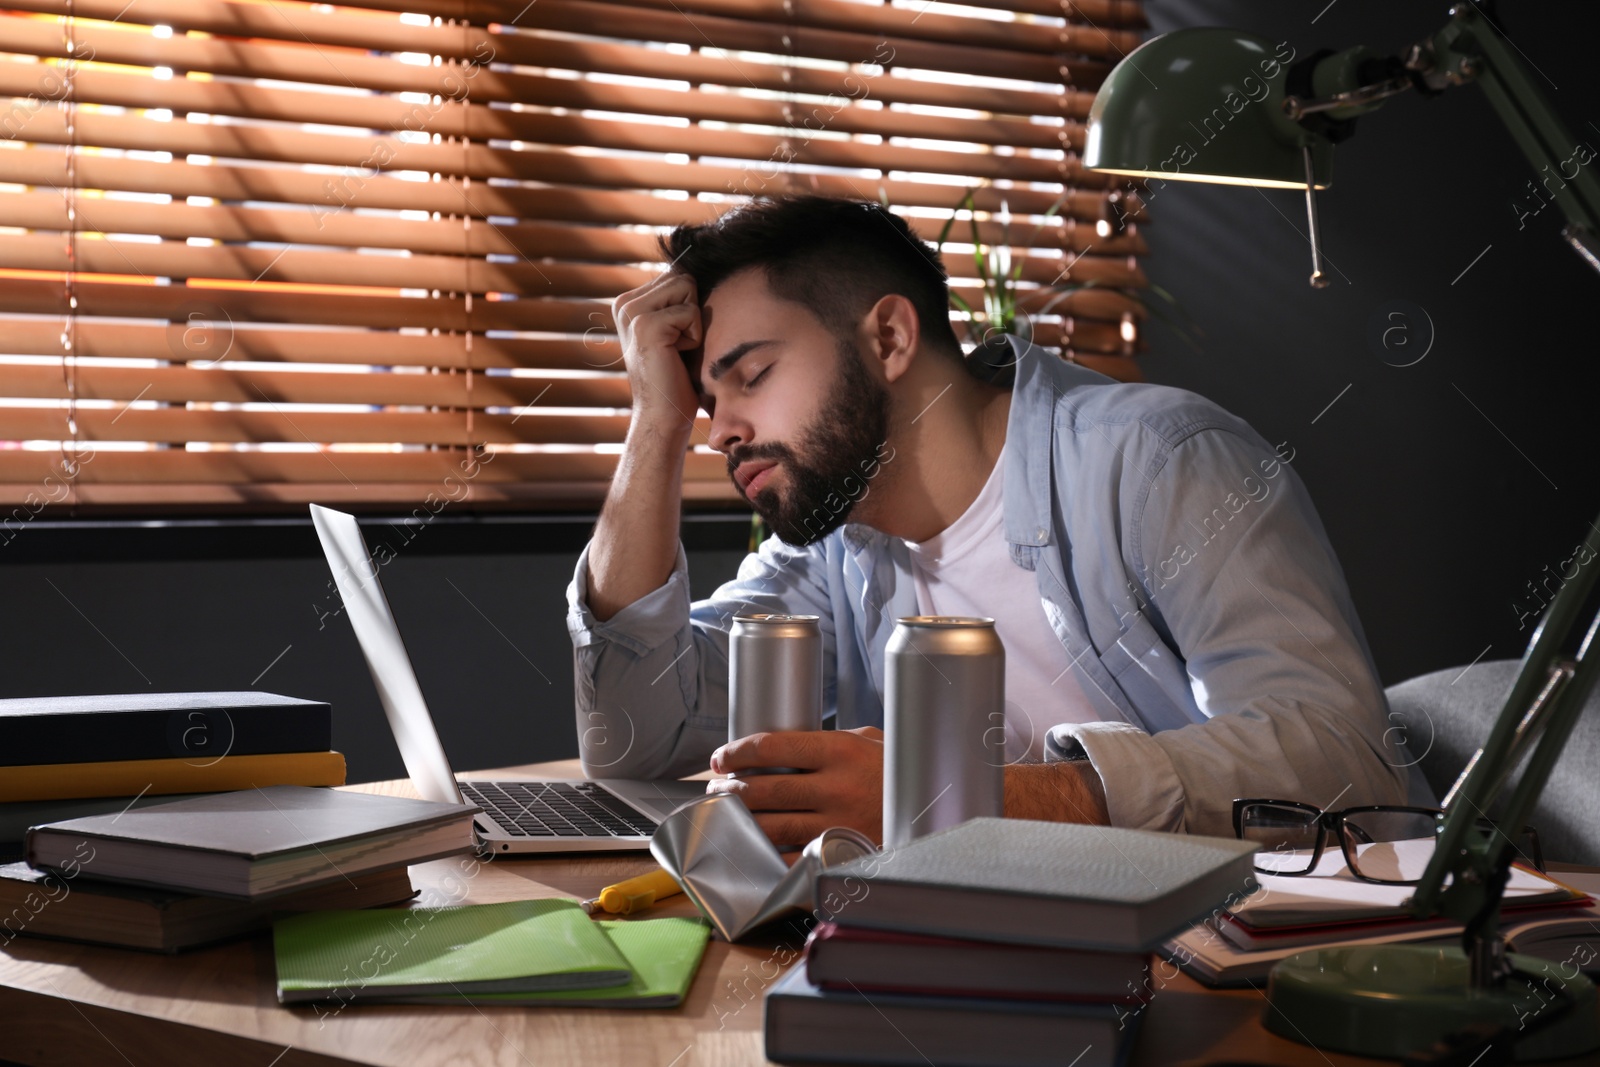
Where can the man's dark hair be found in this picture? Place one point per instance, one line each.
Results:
(836, 257)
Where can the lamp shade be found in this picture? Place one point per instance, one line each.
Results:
(1203, 105)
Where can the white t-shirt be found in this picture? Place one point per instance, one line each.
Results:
(967, 570)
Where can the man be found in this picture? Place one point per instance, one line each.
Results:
(1178, 632)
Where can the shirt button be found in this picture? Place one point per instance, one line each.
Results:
(1039, 533)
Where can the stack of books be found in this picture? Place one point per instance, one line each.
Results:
(997, 943)
(201, 869)
(1238, 946)
(64, 757)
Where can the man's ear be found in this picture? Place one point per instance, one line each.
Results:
(892, 334)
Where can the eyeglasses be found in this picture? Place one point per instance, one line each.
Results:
(1381, 843)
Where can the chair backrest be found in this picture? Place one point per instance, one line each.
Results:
(1447, 715)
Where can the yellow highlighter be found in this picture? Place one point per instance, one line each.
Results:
(633, 895)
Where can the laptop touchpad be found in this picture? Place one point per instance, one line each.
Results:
(660, 798)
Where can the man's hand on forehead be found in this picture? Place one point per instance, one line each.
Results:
(658, 323)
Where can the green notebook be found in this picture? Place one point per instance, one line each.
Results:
(664, 955)
(516, 947)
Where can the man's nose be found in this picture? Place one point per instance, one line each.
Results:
(728, 430)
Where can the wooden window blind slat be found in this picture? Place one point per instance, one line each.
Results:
(249, 343)
(455, 119)
(255, 469)
(291, 61)
(285, 20)
(456, 274)
(568, 205)
(1122, 14)
(258, 254)
(48, 211)
(254, 426)
(225, 384)
(643, 170)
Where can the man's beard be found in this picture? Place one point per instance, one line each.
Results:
(838, 455)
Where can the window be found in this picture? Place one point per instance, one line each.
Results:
(259, 253)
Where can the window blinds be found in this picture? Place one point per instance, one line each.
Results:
(259, 252)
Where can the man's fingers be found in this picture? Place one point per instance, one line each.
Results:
(790, 828)
(772, 792)
(781, 748)
(668, 327)
(664, 290)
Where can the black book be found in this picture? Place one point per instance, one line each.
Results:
(122, 726)
(806, 1024)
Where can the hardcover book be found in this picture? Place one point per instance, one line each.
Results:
(254, 843)
(1044, 883)
(138, 726)
(805, 1024)
(36, 903)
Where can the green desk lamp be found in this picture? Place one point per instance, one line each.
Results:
(1219, 105)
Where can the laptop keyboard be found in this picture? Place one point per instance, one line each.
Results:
(556, 809)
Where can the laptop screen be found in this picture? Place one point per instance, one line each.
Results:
(368, 611)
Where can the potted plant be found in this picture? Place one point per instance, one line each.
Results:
(1008, 305)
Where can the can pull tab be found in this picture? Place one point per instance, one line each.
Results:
(1319, 280)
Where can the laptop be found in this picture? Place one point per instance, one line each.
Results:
(540, 816)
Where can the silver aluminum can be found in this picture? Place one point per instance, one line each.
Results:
(774, 674)
(944, 697)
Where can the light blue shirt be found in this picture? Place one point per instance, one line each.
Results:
(1178, 560)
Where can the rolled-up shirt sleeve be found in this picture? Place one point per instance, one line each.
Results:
(1275, 658)
(651, 682)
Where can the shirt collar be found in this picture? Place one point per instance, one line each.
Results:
(1031, 424)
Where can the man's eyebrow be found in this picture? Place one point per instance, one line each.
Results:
(725, 362)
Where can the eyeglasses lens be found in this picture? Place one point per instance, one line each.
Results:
(1389, 846)
(1287, 837)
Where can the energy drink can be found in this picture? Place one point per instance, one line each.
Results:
(774, 674)
(943, 727)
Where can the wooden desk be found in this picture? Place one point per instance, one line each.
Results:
(102, 1007)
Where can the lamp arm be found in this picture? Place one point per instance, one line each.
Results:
(1472, 48)
(1461, 850)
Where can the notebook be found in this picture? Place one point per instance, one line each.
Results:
(520, 946)
(1571, 939)
(1330, 894)
(662, 953)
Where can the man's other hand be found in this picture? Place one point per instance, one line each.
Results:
(842, 783)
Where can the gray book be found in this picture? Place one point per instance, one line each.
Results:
(254, 843)
(1041, 883)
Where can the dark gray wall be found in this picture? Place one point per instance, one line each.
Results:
(1448, 485)
(192, 607)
